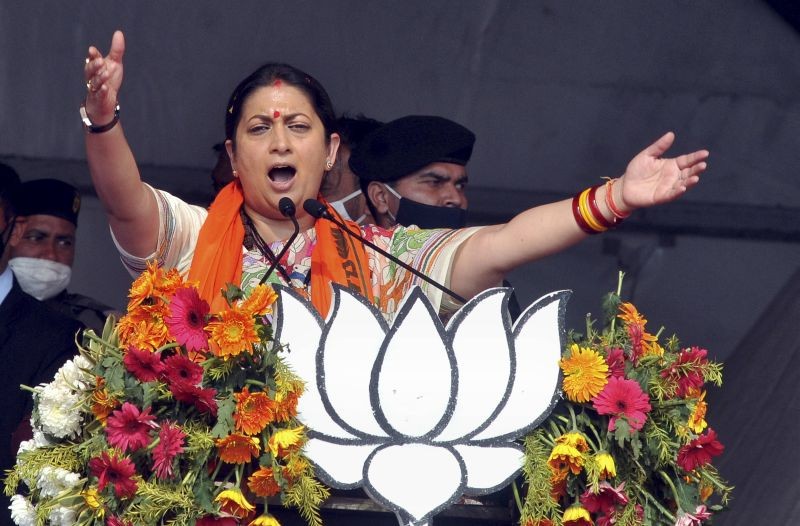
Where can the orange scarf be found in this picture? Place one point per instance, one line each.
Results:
(217, 260)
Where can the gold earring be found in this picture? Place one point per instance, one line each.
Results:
(328, 164)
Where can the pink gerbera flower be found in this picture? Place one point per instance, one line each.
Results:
(623, 398)
(146, 366)
(700, 514)
(187, 319)
(700, 451)
(170, 444)
(118, 471)
(116, 521)
(129, 429)
(181, 369)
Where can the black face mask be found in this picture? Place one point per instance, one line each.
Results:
(426, 216)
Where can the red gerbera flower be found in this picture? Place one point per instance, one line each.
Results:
(202, 399)
(118, 471)
(187, 319)
(623, 398)
(700, 451)
(216, 521)
(129, 429)
(146, 366)
(616, 362)
(181, 369)
(170, 444)
(606, 499)
(687, 372)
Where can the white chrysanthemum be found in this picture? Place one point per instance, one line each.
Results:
(62, 516)
(59, 410)
(75, 373)
(22, 511)
(53, 481)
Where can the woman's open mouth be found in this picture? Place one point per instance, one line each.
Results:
(282, 175)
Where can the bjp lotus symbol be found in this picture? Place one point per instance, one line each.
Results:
(418, 413)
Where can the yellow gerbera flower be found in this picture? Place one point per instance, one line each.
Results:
(563, 459)
(605, 465)
(233, 502)
(92, 499)
(260, 301)
(585, 373)
(233, 333)
(576, 515)
(576, 440)
(265, 520)
(285, 439)
(697, 420)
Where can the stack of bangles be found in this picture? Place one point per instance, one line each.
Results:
(587, 213)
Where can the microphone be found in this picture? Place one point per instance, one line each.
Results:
(287, 208)
(320, 211)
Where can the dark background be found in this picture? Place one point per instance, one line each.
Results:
(559, 95)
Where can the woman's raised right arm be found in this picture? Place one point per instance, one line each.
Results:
(130, 206)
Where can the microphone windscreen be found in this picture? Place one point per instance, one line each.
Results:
(286, 206)
(315, 208)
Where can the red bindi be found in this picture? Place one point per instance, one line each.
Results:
(277, 83)
(276, 114)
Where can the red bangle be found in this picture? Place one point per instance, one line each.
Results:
(610, 201)
(596, 211)
(576, 212)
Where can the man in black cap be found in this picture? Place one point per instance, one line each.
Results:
(42, 259)
(34, 340)
(413, 171)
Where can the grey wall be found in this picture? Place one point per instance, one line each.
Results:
(558, 93)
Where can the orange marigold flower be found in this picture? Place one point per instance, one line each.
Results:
(102, 404)
(706, 490)
(697, 420)
(286, 407)
(564, 459)
(253, 411)
(238, 449)
(143, 333)
(585, 373)
(169, 282)
(263, 483)
(143, 286)
(285, 441)
(576, 440)
(295, 466)
(259, 301)
(233, 333)
(630, 315)
(233, 502)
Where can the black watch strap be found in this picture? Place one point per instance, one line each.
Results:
(91, 127)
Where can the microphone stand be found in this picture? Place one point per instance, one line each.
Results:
(287, 208)
(320, 211)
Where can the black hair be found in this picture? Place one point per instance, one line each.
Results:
(266, 75)
(352, 129)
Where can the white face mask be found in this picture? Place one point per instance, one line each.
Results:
(342, 210)
(41, 278)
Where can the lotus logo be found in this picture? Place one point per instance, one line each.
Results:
(417, 413)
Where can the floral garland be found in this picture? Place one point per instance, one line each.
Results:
(629, 444)
(174, 416)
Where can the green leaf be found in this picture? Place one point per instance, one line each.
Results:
(224, 425)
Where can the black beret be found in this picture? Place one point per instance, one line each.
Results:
(403, 146)
(49, 197)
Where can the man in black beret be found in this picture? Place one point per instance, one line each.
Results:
(42, 260)
(34, 340)
(413, 171)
